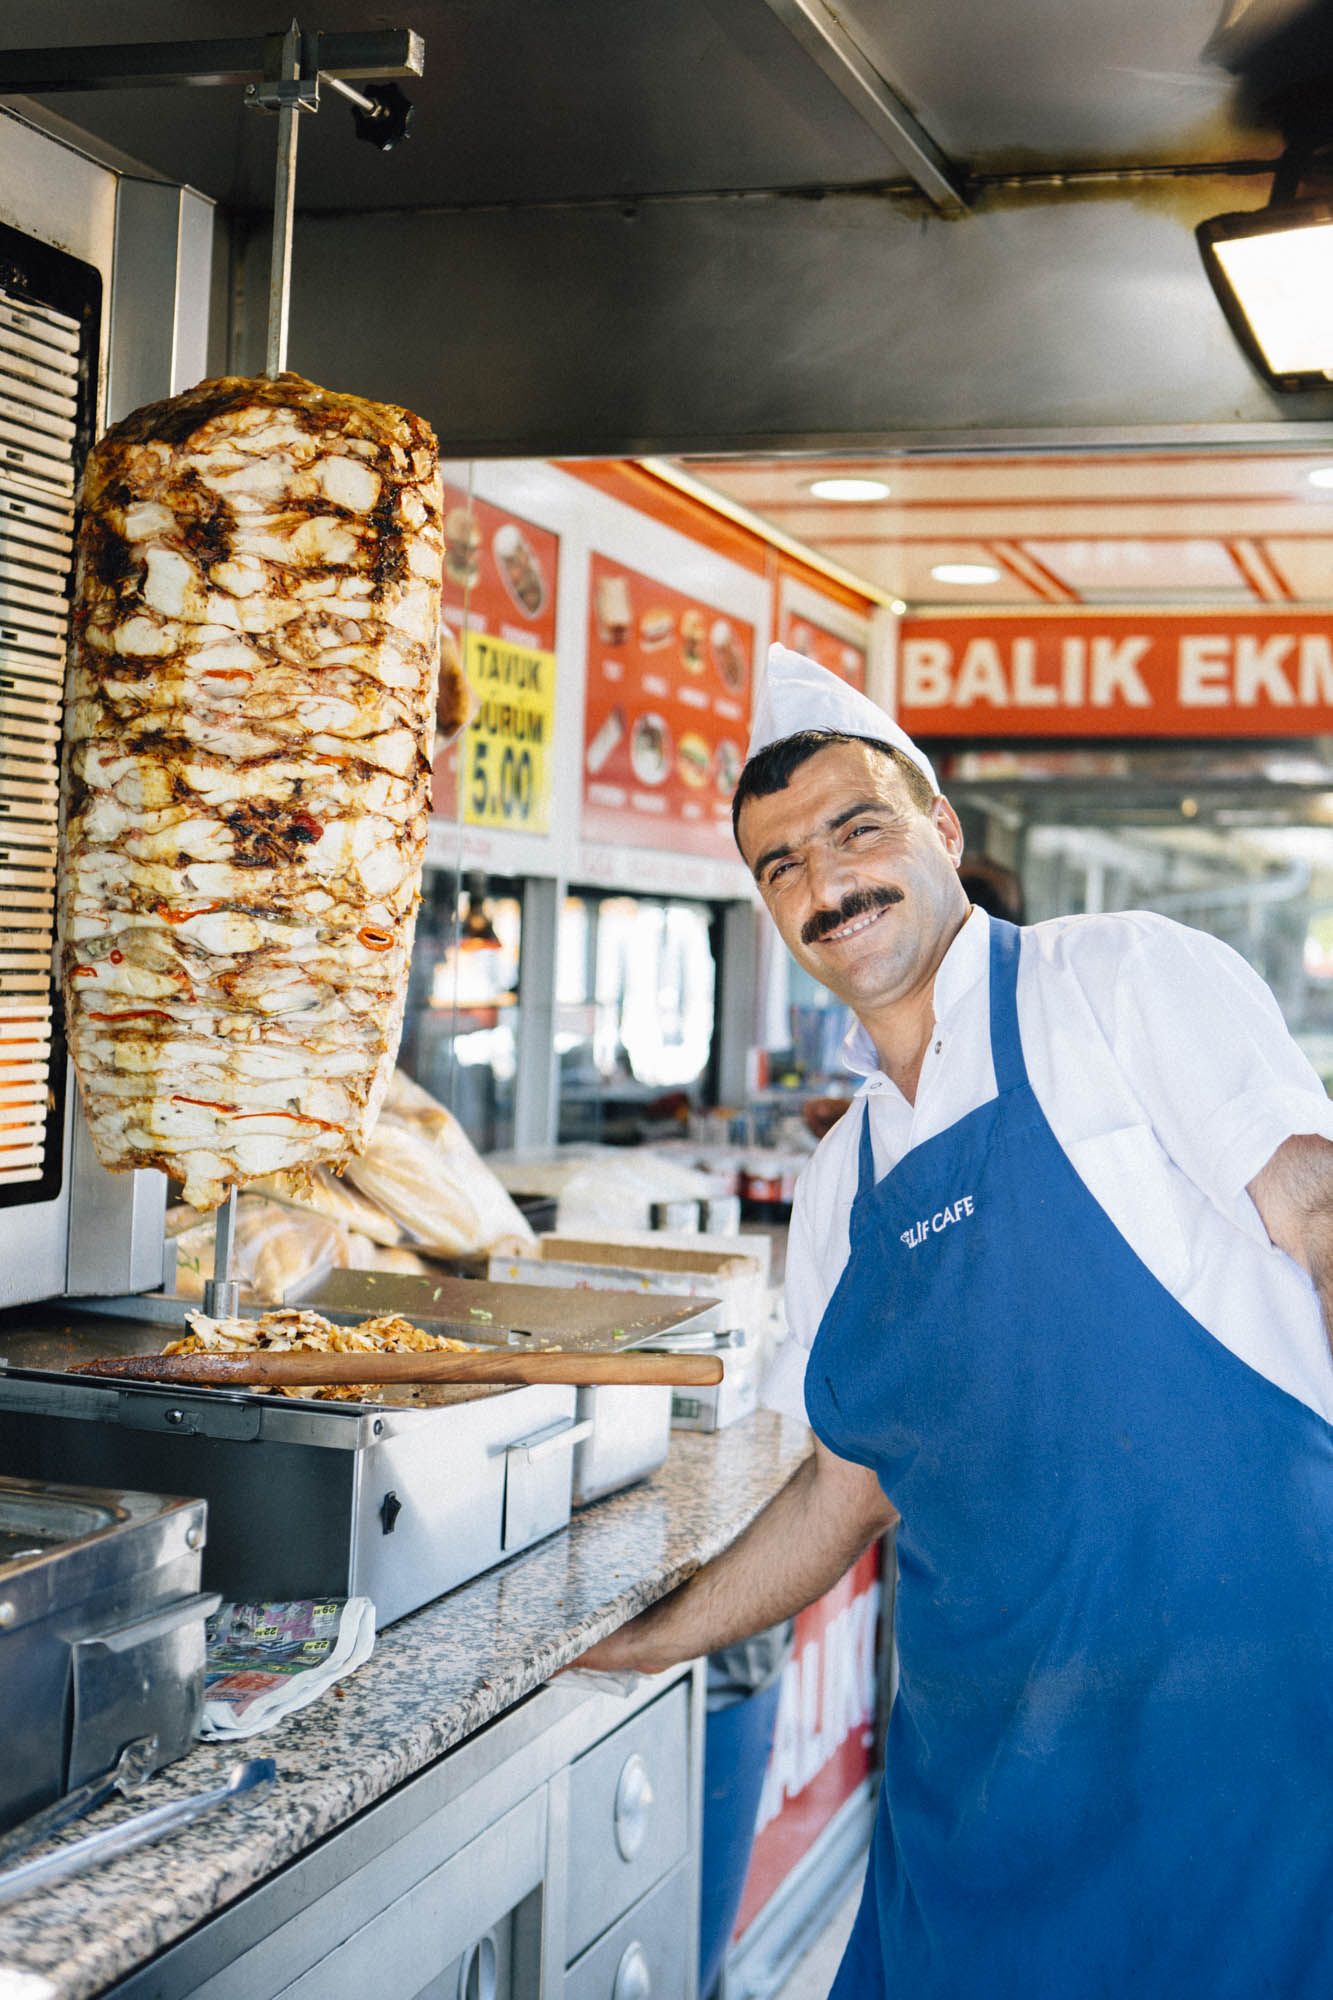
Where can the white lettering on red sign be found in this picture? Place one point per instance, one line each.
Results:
(1211, 670)
(827, 1692)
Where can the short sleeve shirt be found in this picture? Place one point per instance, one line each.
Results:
(1165, 1069)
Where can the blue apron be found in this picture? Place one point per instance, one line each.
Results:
(1110, 1760)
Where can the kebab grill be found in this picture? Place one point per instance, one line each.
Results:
(242, 772)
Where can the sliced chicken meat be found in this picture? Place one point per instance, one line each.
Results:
(253, 657)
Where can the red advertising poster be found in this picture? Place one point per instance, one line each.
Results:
(1118, 673)
(823, 1741)
(844, 657)
(667, 714)
(499, 602)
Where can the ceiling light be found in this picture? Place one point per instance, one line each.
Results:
(1321, 476)
(965, 573)
(897, 606)
(849, 489)
(1272, 271)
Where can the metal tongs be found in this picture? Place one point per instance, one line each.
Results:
(246, 1784)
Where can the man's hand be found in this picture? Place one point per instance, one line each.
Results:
(1294, 1197)
(805, 1539)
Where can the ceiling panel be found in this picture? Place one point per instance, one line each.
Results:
(1126, 564)
(1109, 527)
(1306, 566)
(608, 99)
(1083, 81)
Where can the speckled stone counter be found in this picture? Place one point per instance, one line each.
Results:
(435, 1677)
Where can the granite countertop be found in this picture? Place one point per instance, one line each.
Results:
(434, 1678)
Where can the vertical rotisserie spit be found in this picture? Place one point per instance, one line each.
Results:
(251, 699)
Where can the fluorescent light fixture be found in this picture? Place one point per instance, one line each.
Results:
(1322, 476)
(965, 573)
(849, 489)
(1272, 271)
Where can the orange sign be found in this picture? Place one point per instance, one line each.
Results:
(841, 656)
(1119, 673)
(666, 716)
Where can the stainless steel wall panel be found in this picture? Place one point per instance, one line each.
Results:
(770, 322)
(160, 296)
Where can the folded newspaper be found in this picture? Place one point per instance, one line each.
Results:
(264, 1661)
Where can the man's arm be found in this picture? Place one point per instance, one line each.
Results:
(808, 1536)
(1294, 1197)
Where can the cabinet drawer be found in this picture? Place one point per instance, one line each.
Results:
(628, 1815)
(649, 1955)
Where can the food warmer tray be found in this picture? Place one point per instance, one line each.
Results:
(101, 1633)
(397, 1501)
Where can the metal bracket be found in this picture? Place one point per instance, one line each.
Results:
(826, 36)
(373, 57)
(282, 73)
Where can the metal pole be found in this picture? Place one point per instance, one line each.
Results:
(284, 208)
(222, 1292)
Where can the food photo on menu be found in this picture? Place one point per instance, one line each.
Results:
(520, 571)
(666, 712)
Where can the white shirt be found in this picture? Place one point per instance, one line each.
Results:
(1166, 1072)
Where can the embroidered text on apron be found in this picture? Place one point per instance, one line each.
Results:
(1110, 1760)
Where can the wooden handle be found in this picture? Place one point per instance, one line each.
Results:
(302, 1370)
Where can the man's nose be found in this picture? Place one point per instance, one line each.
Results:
(830, 874)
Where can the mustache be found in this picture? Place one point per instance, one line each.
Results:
(859, 903)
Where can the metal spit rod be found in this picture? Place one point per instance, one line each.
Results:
(284, 198)
(222, 1292)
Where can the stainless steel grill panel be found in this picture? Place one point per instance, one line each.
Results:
(39, 389)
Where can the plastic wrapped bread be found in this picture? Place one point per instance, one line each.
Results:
(422, 1168)
(251, 704)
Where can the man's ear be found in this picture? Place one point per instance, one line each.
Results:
(946, 823)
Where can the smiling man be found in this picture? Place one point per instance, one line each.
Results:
(1059, 1288)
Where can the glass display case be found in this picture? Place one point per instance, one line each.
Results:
(1231, 838)
(462, 1022)
(635, 1008)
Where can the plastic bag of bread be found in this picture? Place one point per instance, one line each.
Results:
(423, 1169)
(320, 1192)
(275, 1252)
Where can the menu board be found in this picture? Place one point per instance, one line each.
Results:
(499, 600)
(666, 716)
(841, 656)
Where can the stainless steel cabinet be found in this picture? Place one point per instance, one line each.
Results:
(553, 1856)
(628, 1806)
(640, 1958)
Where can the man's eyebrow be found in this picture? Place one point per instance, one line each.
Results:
(831, 825)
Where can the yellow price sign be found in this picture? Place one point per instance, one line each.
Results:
(506, 762)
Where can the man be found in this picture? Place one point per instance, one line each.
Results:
(1065, 1272)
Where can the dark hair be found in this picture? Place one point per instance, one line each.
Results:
(770, 770)
(992, 887)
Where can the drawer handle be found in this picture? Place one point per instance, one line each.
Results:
(634, 1801)
(633, 1979)
(545, 1444)
(476, 1975)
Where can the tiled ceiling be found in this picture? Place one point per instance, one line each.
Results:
(1103, 528)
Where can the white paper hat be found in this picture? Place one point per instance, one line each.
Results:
(797, 693)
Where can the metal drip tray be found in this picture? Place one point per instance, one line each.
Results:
(102, 1638)
(35, 1524)
(305, 1498)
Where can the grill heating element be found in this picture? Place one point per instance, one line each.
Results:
(39, 423)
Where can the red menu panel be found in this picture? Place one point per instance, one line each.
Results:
(499, 589)
(666, 715)
(1079, 673)
(823, 1739)
(841, 656)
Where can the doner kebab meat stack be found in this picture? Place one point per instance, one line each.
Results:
(254, 648)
